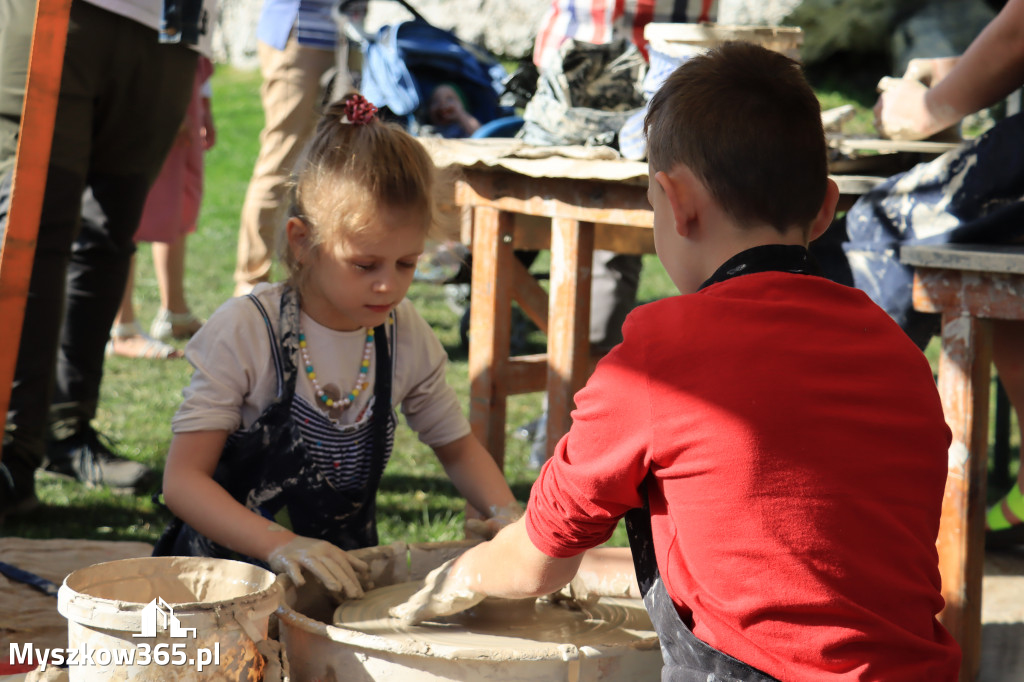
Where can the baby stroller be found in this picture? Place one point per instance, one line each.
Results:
(404, 62)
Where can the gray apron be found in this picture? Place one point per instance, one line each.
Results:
(686, 658)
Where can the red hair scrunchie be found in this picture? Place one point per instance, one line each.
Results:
(359, 111)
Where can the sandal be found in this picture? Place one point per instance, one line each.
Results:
(145, 347)
(168, 325)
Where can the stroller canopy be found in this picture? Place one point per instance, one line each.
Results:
(404, 62)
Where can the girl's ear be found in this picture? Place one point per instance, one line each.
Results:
(298, 239)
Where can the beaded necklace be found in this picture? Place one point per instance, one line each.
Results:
(324, 401)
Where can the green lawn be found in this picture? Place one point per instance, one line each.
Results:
(416, 502)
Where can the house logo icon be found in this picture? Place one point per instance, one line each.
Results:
(158, 611)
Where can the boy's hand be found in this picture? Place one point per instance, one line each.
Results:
(443, 593)
(334, 567)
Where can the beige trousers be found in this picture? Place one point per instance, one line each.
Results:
(291, 93)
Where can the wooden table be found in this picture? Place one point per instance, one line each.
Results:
(969, 286)
(570, 206)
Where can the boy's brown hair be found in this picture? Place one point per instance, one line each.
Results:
(745, 121)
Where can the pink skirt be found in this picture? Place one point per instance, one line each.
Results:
(172, 207)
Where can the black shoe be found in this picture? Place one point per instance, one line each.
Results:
(86, 458)
(16, 497)
(1005, 538)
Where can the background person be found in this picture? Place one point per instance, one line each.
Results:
(170, 214)
(121, 101)
(297, 42)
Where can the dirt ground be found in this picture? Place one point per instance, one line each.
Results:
(1002, 617)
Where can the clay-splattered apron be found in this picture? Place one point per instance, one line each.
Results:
(686, 658)
(268, 466)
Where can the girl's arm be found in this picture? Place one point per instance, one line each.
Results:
(476, 475)
(192, 494)
(198, 500)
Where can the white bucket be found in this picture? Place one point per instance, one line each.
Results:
(167, 618)
(686, 40)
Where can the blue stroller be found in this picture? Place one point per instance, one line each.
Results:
(404, 62)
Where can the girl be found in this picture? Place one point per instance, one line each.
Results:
(289, 418)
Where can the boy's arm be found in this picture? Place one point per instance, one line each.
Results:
(476, 475)
(198, 500)
(509, 567)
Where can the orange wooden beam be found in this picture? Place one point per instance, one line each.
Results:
(46, 62)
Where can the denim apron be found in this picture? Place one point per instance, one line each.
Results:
(268, 467)
(686, 658)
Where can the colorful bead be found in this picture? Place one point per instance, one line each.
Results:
(361, 381)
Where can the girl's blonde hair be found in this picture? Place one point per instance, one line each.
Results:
(351, 170)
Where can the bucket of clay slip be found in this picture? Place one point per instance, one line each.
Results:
(167, 618)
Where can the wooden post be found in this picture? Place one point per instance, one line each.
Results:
(490, 318)
(964, 386)
(572, 255)
(39, 110)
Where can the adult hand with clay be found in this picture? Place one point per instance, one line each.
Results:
(334, 567)
(445, 592)
(990, 69)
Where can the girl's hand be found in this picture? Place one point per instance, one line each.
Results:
(485, 529)
(334, 567)
(208, 128)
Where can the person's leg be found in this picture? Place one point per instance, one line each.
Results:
(169, 265)
(26, 425)
(615, 279)
(16, 22)
(126, 336)
(291, 97)
(174, 320)
(126, 313)
(1008, 355)
(142, 104)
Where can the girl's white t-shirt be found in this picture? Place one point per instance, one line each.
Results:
(235, 381)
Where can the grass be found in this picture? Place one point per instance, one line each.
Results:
(416, 501)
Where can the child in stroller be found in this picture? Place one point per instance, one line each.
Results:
(408, 64)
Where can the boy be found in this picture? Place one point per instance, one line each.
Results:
(774, 440)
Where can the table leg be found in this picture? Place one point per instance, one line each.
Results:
(490, 327)
(964, 380)
(572, 254)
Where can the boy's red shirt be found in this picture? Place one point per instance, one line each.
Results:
(799, 451)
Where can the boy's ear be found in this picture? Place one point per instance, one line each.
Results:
(827, 211)
(680, 199)
(298, 238)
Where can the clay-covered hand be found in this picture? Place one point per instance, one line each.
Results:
(486, 529)
(334, 567)
(444, 593)
(901, 112)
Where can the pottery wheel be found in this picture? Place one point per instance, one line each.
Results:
(502, 629)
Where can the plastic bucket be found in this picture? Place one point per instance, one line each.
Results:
(167, 618)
